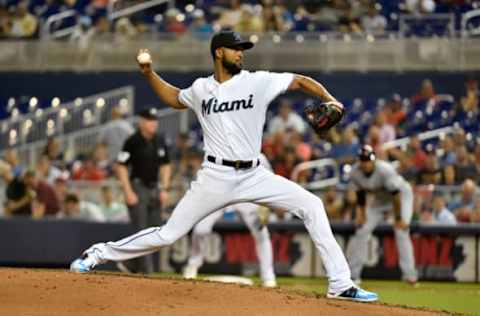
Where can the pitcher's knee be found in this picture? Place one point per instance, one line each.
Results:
(201, 230)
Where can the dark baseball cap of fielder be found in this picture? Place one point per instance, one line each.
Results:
(149, 114)
(229, 39)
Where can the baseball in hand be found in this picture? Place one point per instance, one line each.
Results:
(144, 58)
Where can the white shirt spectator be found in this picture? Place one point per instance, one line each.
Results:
(114, 135)
(444, 217)
(374, 24)
(294, 121)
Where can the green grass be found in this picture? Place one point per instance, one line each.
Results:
(441, 296)
(451, 297)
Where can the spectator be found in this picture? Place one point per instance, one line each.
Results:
(329, 15)
(431, 172)
(476, 212)
(45, 202)
(285, 119)
(273, 19)
(100, 159)
(5, 172)
(303, 150)
(407, 168)
(46, 171)
(19, 198)
(174, 23)
(249, 21)
(333, 204)
(87, 170)
(83, 33)
(349, 205)
(24, 23)
(230, 17)
(285, 164)
(441, 214)
(416, 153)
(464, 167)
(448, 156)
(61, 191)
(426, 93)
(200, 28)
(125, 31)
(52, 150)
(470, 102)
(349, 23)
(386, 130)
(395, 113)
(115, 133)
(374, 22)
(5, 22)
(303, 20)
(347, 149)
(11, 158)
(113, 211)
(462, 205)
(76, 209)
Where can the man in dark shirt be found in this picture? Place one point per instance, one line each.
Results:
(19, 198)
(27, 195)
(146, 155)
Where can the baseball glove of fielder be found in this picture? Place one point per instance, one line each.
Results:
(321, 117)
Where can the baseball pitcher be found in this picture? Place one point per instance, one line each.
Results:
(250, 215)
(231, 107)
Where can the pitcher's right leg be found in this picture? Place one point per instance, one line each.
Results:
(192, 208)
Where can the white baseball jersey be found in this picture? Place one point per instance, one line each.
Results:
(232, 113)
(380, 184)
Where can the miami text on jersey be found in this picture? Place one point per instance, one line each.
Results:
(226, 106)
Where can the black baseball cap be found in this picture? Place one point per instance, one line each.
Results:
(230, 39)
(149, 114)
(366, 153)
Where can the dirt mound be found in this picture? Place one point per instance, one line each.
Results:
(50, 292)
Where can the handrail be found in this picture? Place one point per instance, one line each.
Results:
(54, 18)
(447, 16)
(317, 164)
(133, 9)
(467, 16)
(422, 136)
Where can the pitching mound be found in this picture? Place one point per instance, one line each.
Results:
(44, 292)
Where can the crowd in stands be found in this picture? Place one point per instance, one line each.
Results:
(444, 171)
(23, 18)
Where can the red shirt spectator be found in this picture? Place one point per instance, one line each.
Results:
(89, 172)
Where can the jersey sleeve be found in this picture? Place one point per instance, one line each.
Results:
(186, 98)
(393, 181)
(125, 155)
(275, 84)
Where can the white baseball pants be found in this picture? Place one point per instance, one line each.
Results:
(217, 186)
(261, 236)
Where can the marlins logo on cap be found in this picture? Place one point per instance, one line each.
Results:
(366, 153)
(149, 114)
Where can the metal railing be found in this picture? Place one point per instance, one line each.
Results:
(334, 178)
(466, 18)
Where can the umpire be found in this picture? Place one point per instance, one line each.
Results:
(143, 160)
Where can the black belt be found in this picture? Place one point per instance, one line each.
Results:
(237, 164)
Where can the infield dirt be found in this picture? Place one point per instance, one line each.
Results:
(55, 292)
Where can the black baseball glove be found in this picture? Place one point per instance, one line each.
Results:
(321, 117)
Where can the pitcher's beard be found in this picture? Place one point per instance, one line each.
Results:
(232, 68)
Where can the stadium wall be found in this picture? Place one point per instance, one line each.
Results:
(441, 252)
(345, 85)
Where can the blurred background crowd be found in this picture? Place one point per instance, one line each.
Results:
(444, 170)
(25, 19)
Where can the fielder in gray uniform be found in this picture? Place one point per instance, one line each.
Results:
(379, 189)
